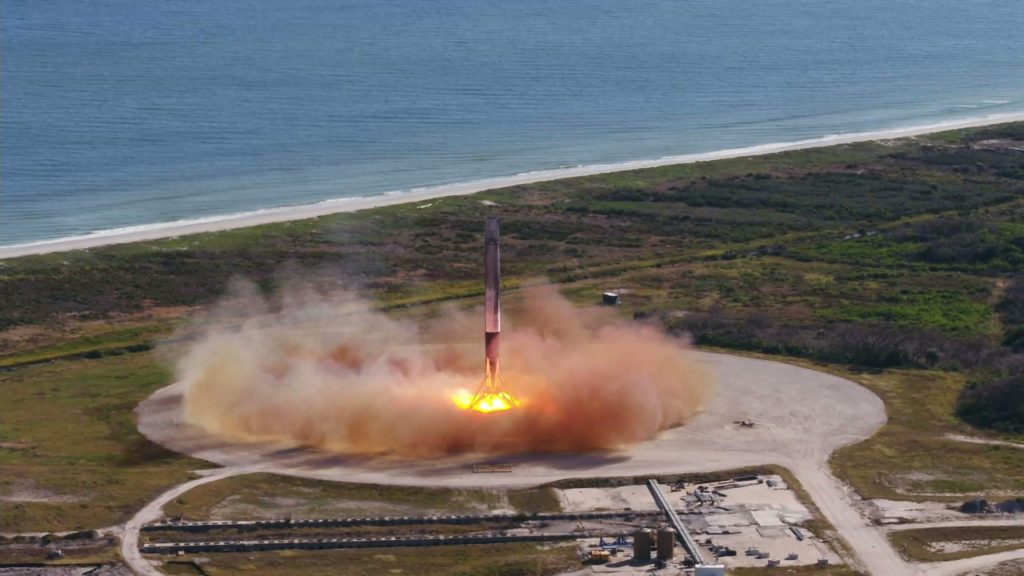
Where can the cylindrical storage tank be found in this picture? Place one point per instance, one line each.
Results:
(642, 544)
(666, 543)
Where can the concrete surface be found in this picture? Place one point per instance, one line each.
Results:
(801, 416)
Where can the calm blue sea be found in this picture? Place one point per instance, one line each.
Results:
(124, 113)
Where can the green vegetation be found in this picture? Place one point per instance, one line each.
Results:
(71, 457)
(271, 496)
(92, 346)
(996, 404)
(930, 544)
(535, 500)
(478, 560)
(911, 455)
(239, 497)
(907, 240)
(892, 262)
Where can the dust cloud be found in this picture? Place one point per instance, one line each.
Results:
(334, 373)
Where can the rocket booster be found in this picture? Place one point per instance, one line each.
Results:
(489, 396)
(492, 299)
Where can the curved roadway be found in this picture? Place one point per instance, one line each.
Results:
(154, 510)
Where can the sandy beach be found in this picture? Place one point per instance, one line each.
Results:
(300, 212)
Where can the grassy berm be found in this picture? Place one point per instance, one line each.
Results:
(891, 262)
(478, 560)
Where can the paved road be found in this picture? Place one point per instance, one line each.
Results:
(154, 510)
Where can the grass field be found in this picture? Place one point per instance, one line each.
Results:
(271, 496)
(911, 457)
(535, 500)
(477, 560)
(71, 457)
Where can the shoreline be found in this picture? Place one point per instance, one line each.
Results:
(304, 211)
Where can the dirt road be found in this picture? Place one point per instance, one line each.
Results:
(958, 567)
(832, 497)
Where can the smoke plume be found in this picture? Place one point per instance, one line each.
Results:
(336, 374)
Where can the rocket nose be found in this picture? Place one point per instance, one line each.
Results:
(491, 234)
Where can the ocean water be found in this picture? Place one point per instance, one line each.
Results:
(117, 113)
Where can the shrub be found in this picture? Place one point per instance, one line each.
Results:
(997, 404)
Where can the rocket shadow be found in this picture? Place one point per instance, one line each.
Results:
(567, 461)
(312, 458)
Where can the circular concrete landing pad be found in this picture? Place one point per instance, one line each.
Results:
(799, 416)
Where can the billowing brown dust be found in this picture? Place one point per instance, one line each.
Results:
(336, 374)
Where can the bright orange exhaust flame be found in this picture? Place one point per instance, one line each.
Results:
(485, 402)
